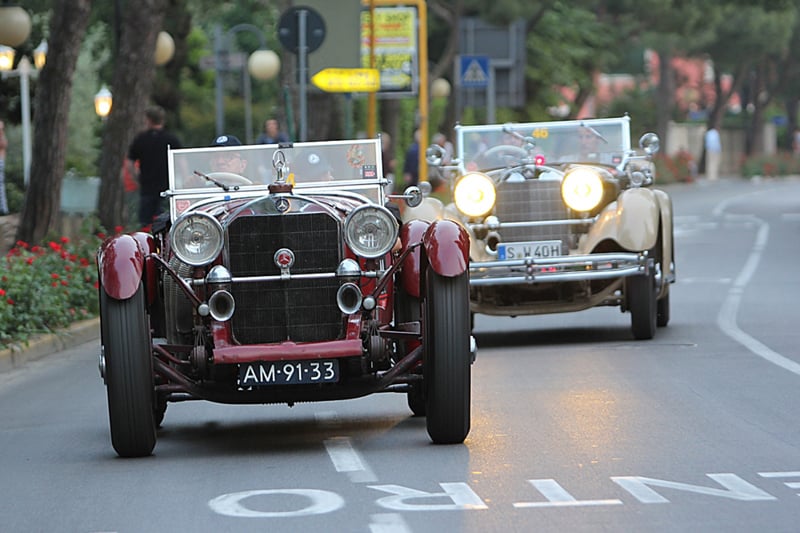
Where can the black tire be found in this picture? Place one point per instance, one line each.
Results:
(447, 358)
(641, 297)
(129, 374)
(416, 400)
(662, 311)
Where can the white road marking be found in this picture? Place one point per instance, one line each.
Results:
(346, 459)
(726, 319)
(388, 523)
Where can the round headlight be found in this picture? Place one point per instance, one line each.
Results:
(582, 189)
(474, 194)
(370, 231)
(196, 238)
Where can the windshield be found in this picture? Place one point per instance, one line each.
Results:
(312, 163)
(196, 174)
(603, 141)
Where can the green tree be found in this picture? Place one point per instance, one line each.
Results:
(40, 213)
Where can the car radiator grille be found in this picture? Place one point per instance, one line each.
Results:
(297, 310)
(532, 200)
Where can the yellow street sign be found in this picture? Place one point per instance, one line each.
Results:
(347, 80)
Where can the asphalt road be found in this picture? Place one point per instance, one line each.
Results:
(576, 426)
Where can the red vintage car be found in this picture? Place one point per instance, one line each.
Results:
(291, 281)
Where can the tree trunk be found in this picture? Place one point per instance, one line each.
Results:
(134, 70)
(665, 100)
(40, 213)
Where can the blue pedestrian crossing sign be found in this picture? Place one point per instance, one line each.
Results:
(474, 71)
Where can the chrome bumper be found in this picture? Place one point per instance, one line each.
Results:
(558, 269)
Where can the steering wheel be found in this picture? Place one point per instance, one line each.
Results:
(227, 178)
(509, 150)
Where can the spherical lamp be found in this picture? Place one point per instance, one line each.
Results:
(165, 48)
(264, 64)
(440, 88)
(15, 25)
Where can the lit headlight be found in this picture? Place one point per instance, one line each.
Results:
(370, 231)
(196, 238)
(474, 194)
(582, 189)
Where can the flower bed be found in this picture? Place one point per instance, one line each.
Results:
(45, 288)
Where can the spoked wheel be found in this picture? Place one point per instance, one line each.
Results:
(447, 358)
(641, 295)
(127, 350)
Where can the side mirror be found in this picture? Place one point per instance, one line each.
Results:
(650, 143)
(434, 155)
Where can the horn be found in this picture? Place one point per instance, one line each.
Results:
(221, 305)
(348, 298)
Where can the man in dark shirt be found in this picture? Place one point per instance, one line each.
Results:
(149, 148)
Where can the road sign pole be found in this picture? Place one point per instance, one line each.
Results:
(302, 59)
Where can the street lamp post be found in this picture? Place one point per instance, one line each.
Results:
(262, 64)
(23, 71)
(15, 26)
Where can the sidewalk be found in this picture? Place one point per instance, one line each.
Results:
(43, 345)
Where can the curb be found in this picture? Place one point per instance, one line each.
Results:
(40, 346)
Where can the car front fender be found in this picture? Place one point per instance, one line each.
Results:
(412, 232)
(447, 248)
(121, 261)
(632, 222)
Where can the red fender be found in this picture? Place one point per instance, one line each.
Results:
(447, 247)
(412, 232)
(121, 263)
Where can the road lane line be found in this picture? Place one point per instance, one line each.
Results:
(346, 459)
(726, 319)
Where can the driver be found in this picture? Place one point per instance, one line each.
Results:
(228, 160)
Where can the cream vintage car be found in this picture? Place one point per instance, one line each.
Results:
(562, 216)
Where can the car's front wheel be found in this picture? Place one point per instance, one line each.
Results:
(641, 296)
(129, 374)
(447, 358)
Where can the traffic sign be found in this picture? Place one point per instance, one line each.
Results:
(289, 30)
(347, 80)
(474, 71)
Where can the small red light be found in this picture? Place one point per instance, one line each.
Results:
(539, 160)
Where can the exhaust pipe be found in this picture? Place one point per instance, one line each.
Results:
(348, 298)
(221, 305)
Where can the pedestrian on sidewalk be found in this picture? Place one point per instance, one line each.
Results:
(713, 153)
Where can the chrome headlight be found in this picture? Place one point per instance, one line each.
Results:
(196, 238)
(370, 231)
(474, 194)
(582, 189)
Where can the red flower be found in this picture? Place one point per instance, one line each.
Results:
(118, 229)
(22, 244)
(101, 236)
(64, 240)
(54, 246)
(64, 283)
(10, 301)
(2, 292)
(29, 260)
(84, 262)
(54, 275)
